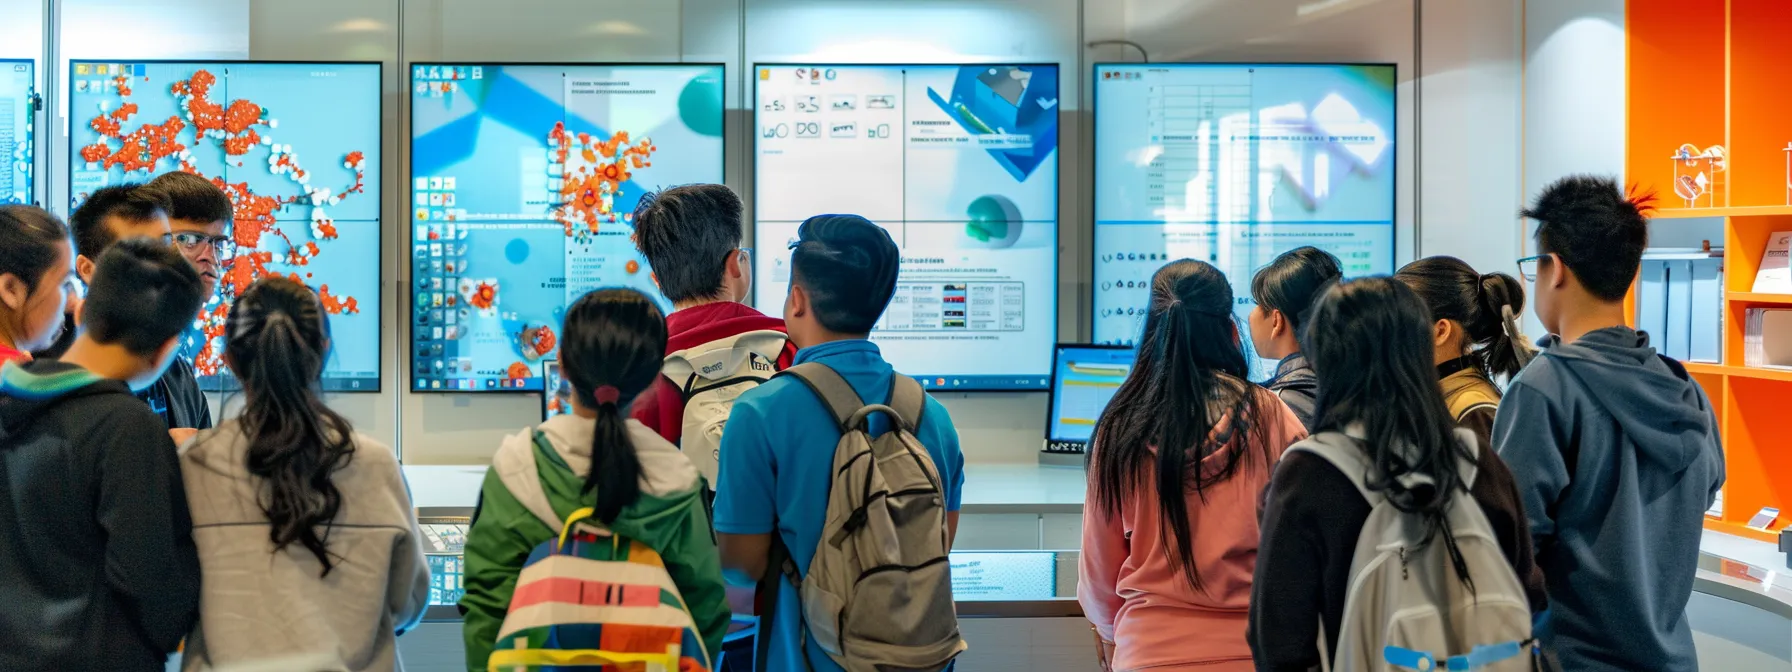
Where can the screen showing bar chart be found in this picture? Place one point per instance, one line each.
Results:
(1084, 380)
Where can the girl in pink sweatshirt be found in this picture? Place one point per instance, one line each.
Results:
(1179, 460)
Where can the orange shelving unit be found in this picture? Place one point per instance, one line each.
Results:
(1705, 73)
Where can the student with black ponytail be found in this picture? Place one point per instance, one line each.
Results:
(1474, 335)
(347, 572)
(1179, 459)
(642, 487)
(1370, 343)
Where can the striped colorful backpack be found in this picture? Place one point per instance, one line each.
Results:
(591, 598)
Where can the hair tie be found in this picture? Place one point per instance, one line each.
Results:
(606, 395)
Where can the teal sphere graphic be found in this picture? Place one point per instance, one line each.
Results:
(995, 222)
(700, 105)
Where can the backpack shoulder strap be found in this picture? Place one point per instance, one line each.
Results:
(833, 390)
(1342, 453)
(908, 400)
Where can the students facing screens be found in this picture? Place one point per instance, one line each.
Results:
(35, 257)
(1370, 340)
(1175, 468)
(290, 476)
(1474, 334)
(1284, 291)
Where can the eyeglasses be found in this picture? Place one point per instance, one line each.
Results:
(746, 255)
(1527, 267)
(224, 246)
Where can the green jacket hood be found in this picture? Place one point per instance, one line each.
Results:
(549, 480)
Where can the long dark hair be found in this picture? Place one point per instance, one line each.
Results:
(1291, 282)
(1370, 344)
(276, 341)
(610, 350)
(1190, 365)
(1452, 290)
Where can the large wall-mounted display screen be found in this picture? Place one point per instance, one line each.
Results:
(1234, 164)
(296, 146)
(960, 164)
(523, 181)
(18, 104)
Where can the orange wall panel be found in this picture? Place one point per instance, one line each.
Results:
(1676, 63)
(1760, 100)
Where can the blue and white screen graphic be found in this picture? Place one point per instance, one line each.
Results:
(960, 164)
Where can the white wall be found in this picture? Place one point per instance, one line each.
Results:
(1574, 88)
(1469, 144)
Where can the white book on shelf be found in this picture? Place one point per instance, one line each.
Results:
(1775, 276)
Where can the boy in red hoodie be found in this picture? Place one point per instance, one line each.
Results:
(691, 236)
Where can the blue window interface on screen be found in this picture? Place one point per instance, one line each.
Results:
(17, 107)
(1083, 382)
(1233, 165)
(960, 164)
(523, 183)
(296, 146)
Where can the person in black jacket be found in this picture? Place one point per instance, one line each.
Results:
(96, 542)
(1284, 291)
(126, 211)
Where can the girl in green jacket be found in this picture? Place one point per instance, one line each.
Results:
(642, 486)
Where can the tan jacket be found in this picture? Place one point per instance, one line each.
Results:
(260, 608)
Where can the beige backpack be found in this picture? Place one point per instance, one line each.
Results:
(878, 595)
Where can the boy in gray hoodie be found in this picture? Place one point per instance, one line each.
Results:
(1628, 429)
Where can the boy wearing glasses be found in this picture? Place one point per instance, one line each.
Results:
(1614, 447)
(126, 211)
(199, 217)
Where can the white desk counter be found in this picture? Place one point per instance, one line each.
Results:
(988, 488)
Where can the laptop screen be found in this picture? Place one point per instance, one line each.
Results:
(1084, 379)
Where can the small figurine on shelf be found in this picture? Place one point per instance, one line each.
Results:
(1699, 174)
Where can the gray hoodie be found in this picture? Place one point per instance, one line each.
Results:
(1615, 450)
(261, 609)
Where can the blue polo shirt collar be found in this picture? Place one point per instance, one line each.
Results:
(837, 349)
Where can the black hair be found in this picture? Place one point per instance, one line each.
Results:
(277, 341)
(28, 239)
(1452, 290)
(1291, 282)
(610, 349)
(134, 202)
(1190, 373)
(686, 233)
(1595, 229)
(143, 294)
(193, 198)
(1370, 344)
(848, 266)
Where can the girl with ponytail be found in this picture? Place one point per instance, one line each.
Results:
(308, 543)
(640, 485)
(1178, 460)
(1474, 335)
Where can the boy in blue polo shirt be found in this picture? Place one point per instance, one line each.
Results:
(777, 455)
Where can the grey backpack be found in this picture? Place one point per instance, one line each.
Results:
(1405, 608)
(878, 595)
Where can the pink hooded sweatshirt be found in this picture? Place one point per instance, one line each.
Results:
(1135, 595)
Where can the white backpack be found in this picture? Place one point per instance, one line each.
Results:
(878, 595)
(1406, 610)
(711, 376)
